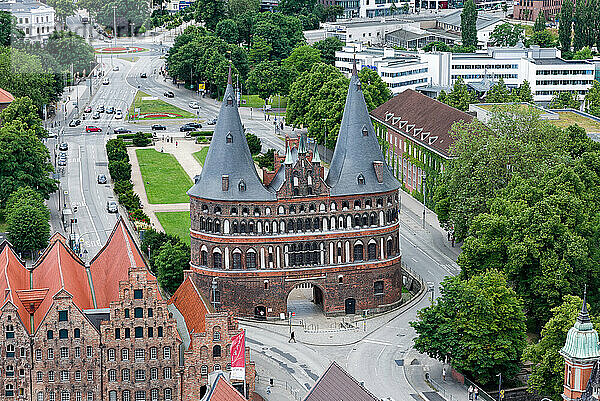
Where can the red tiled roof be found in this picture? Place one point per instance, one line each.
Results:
(59, 268)
(32, 299)
(111, 265)
(223, 391)
(13, 277)
(191, 305)
(6, 96)
(424, 120)
(337, 384)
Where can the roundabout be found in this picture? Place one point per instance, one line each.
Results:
(119, 50)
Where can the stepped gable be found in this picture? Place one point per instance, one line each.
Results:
(337, 384)
(192, 306)
(229, 172)
(13, 277)
(59, 268)
(111, 265)
(358, 166)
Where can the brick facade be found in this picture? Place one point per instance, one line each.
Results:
(15, 355)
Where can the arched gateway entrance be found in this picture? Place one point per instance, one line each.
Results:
(304, 300)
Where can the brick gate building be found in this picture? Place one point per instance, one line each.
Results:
(253, 242)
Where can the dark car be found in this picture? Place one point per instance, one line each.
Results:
(74, 123)
(102, 179)
(194, 125)
(169, 94)
(158, 127)
(143, 75)
(110, 110)
(122, 130)
(62, 162)
(92, 128)
(63, 146)
(186, 128)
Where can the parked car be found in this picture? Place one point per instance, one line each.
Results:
(63, 146)
(101, 179)
(169, 94)
(92, 128)
(194, 124)
(62, 154)
(62, 162)
(116, 68)
(143, 75)
(110, 110)
(186, 128)
(158, 127)
(100, 109)
(212, 121)
(74, 123)
(105, 82)
(194, 105)
(118, 115)
(122, 130)
(96, 115)
(87, 109)
(112, 207)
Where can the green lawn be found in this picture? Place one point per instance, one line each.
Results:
(257, 102)
(165, 180)
(201, 155)
(155, 109)
(131, 59)
(176, 223)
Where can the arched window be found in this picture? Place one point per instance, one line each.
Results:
(316, 224)
(280, 210)
(63, 333)
(365, 131)
(217, 261)
(245, 211)
(234, 227)
(358, 252)
(209, 225)
(218, 210)
(251, 259)
(229, 138)
(390, 247)
(234, 211)
(357, 220)
(365, 220)
(242, 186)
(360, 179)
(345, 205)
(372, 251)
(204, 258)
(256, 211)
(77, 333)
(49, 334)
(357, 204)
(237, 260)
(217, 226)
(290, 226)
(217, 351)
(243, 227)
(204, 370)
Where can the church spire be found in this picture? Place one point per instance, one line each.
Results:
(316, 157)
(584, 316)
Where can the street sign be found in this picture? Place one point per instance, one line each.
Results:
(201, 86)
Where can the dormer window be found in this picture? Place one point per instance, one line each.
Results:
(229, 138)
(358, 85)
(229, 101)
(360, 179)
(242, 186)
(365, 131)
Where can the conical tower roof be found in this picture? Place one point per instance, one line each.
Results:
(229, 159)
(357, 151)
(582, 339)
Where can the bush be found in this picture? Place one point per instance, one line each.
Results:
(203, 139)
(267, 160)
(253, 143)
(119, 170)
(201, 133)
(122, 186)
(116, 150)
(139, 215)
(130, 200)
(132, 135)
(140, 139)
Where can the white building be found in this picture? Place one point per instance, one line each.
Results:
(35, 19)
(370, 31)
(545, 71)
(485, 25)
(381, 8)
(398, 69)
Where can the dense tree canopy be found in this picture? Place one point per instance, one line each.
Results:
(468, 24)
(169, 265)
(592, 99)
(302, 59)
(27, 220)
(127, 12)
(68, 48)
(268, 79)
(507, 35)
(375, 90)
(477, 324)
(328, 47)
(460, 97)
(565, 26)
(540, 23)
(562, 100)
(23, 110)
(227, 30)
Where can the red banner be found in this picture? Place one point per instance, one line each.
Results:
(238, 357)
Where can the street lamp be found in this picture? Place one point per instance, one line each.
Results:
(431, 289)
(500, 392)
(214, 291)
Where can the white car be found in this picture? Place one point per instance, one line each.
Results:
(105, 82)
(116, 68)
(194, 105)
(119, 115)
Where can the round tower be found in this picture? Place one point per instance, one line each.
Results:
(580, 352)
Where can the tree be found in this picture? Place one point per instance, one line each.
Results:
(68, 48)
(540, 22)
(28, 225)
(564, 100)
(119, 170)
(240, 7)
(468, 24)
(565, 26)
(376, 91)
(260, 51)
(524, 92)
(542, 39)
(476, 324)
(227, 30)
(302, 59)
(129, 12)
(592, 99)
(169, 265)
(253, 143)
(8, 29)
(245, 23)
(294, 7)
(268, 79)
(328, 47)
(507, 35)
(24, 161)
(460, 97)
(116, 150)
(547, 373)
(437, 46)
(153, 240)
(267, 160)
(63, 9)
(583, 54)
(581, 26)
(22, 109)
(210, 12)
(498, 94)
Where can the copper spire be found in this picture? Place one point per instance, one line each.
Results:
(584, 316)
(354, 71)
(229, 75)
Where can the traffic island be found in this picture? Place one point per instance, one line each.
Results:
(164, 179)
(147, 107)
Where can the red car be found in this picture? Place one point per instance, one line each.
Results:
(91, 128)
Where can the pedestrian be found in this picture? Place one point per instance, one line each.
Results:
(448, 235)
(475, 393)
(444, 374)
(292, 337)
(470, 392)
(176, 143)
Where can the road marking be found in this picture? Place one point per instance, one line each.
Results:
(83, 197)
(415, 260)
(378, 342)
(427, 255)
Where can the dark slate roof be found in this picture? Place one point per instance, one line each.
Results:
(231, 159)
(337, 385)
(355, 152)
(592, 384)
